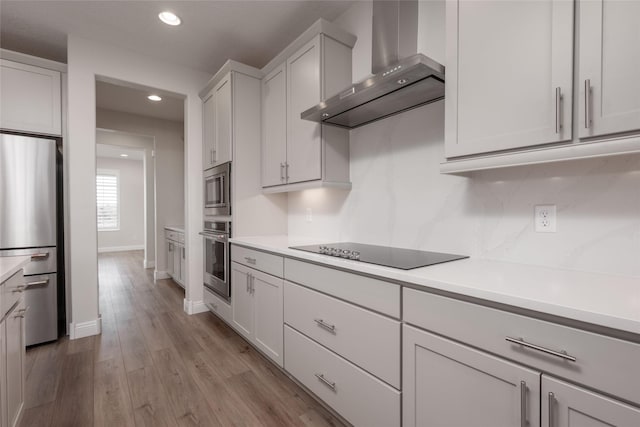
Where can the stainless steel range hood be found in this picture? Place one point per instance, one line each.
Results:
(402, 79)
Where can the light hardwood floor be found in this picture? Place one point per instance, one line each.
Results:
(155, 366)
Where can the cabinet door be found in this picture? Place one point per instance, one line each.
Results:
(15, 347)
(449, 384)
(241, 300)
(268, 312)
(30, 98)
(566, 405)
(170, 250)
(509, 74)
(274, 127)
(609, 62)
(208, 137)
(303, 92)
(223, 126)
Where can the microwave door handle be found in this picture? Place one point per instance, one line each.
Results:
(223, 200)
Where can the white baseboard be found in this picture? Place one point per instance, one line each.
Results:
(194, 307)
(148, 264)
(85, 329)
(157, 275)
(120, 248)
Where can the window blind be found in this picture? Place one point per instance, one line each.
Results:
(107, 200)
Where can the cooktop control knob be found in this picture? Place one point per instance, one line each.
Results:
(355, 255)
(346, 253)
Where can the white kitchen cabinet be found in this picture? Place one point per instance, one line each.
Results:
(274, 127)
(567, 405)
(298, 153)
(449, 384)
(217, 124)
(12, 368)
(176, 255)
(509, 75)
(30, 98)
(609, 60)
(257, 301)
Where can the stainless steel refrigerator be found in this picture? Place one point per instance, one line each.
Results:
(30, 206)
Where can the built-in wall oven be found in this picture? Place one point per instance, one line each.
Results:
(217, 257)
(217, 194)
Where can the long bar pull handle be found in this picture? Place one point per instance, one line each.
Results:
(587, 103)
(287, 170)
(523, 404)
(248, 286)
(281, 171)
(252, 287)
(558, 110)
(325, 325)
(326, 382)
(552, 401)
(37, 283)
(38, 257)
(560, 354)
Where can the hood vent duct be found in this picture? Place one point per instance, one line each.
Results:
(402, 79)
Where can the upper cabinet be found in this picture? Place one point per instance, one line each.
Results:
(30, 99)
(297, 153)
(217, 123)
(509, 75)
(609, 61)
(512, 89)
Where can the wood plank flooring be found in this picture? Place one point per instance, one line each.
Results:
(153, 365)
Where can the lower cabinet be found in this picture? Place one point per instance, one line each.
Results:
(256, 300)
(449, 384)
(12, 367)
(170, 249)
(176, 262)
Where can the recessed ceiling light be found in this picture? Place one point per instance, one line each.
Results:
(124, 155)
(155, 98)
(169, 18)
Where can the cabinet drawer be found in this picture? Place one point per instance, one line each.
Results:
(359, 397)
(171, 235)
(367, 339)
(217, 305)
(43, 260)
(268, 263)
(375, 294)
(11, 290)
(602, 362)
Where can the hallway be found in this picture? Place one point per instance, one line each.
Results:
(154, 365)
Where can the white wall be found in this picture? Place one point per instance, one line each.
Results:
(399, 198)
(131, 205)
(146, 143)
(169, 168)
(86, 60)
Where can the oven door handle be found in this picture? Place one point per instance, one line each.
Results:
(213, 236)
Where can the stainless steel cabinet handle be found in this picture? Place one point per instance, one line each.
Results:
(328, 383)
(253, 284)
(558, 110)
(287, 170)
(36, 283)
(325, 325)
(20, 313)
(561, 354)
(523, 404)
(250, 260)
(248, 275)
(552, 400)
(19, 288)
(38, 257)
(281, 171)
(587, 103)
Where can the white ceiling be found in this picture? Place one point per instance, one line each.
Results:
(130, 100)
(251, 32)
(113, 151)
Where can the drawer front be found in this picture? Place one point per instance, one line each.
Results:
(359, 397)
(12, 290)
(371, 293)
(43, 260)
(367, 339)
(171, 235)
(602, 362)
(265, 262)
(217, 305)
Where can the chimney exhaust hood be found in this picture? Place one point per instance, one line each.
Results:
(402, 79)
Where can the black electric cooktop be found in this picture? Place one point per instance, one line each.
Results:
(404, 259)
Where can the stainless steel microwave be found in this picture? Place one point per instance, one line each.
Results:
(217, 194)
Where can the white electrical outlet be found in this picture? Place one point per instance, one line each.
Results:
(545, 218)
(309, 215)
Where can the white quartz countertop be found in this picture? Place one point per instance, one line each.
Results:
(601, 299)
(9, 265)
(178, 228)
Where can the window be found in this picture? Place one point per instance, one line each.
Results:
(108, 200)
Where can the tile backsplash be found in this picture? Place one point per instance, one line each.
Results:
(399, 198)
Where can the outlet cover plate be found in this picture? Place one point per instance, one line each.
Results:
(545, 218)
